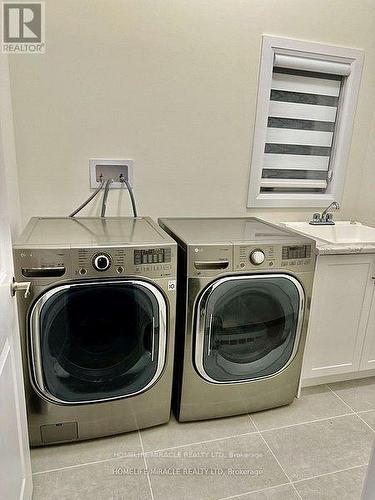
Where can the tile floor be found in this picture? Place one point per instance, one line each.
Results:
(315, 449)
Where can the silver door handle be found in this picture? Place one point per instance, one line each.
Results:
(153, 340)
(20, 286)
(209, 336)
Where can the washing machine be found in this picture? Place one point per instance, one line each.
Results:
(97, 325)
(244, 291)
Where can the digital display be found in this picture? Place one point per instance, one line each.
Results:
(296, 252)
(152, 256)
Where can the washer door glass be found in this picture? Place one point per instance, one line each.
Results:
(97, 341)
(247, 327)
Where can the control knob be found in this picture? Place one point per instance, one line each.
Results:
(257, 257)
(101, 261)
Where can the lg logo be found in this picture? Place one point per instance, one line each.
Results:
(23, 27)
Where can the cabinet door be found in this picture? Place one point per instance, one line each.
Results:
(368, 353)
(339, 311)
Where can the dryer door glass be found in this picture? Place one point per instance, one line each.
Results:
(98, 341)
(248, 327)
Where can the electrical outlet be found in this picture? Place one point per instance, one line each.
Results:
(105, 169)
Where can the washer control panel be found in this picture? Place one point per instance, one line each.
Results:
(51, 265)
(296, 258)
(117, 262)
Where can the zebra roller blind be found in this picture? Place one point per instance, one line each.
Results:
(303, 107)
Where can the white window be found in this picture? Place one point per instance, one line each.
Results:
(307, 99)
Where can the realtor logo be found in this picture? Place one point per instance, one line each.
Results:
(23, 28)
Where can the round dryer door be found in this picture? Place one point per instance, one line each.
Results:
(248, 327)
(97, 341)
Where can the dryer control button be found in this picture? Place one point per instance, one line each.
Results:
(257, 257)
(101, 262)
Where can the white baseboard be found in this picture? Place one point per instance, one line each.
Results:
(309, 382)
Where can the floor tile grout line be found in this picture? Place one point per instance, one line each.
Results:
(329, 473)
(341, 399)
(145, 462)
(308, 422)
(251, 432)
(364, 421)
(364, 411)
(239, 495)
(74, 466)
(275, 457)
(200, 442)
(294, 482)
(355, 411)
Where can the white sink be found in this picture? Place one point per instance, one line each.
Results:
(342, 232)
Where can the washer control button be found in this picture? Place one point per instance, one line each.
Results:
(120, 269)
(101, 261)
(82, 271)
(257, 257)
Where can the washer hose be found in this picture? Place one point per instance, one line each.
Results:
(88, 199)
(105, 196)
(131, 194)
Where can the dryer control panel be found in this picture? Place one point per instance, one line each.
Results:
(296, 257)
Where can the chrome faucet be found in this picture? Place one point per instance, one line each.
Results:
(325, 218)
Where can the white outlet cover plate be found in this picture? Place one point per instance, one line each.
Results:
(127, 164)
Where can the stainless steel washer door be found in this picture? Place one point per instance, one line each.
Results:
(247, 327)
(97, 341)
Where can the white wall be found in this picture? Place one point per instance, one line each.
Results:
(8, 153)
(366, 195)
(171, 84)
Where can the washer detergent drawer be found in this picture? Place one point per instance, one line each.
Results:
(247, 327)
(97, 341)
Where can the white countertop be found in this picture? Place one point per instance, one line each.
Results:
(344, 248)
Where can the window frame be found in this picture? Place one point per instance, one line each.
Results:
(272, 45)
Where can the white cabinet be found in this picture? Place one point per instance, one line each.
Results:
(341, 336)
(368, 353)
